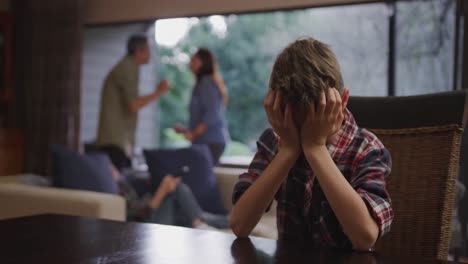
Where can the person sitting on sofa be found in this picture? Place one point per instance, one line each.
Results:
(173, 203)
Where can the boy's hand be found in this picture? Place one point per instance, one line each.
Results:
(323, 122)
(282, 122)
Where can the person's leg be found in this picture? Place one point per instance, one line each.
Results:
(186, 202)
(190, 208)
(215, 220)
(184, 219)
(165, 213)
(216, 152)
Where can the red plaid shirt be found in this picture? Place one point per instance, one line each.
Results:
(303, 212)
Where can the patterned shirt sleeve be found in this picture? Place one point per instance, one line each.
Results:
(369, 182)
(266, 146)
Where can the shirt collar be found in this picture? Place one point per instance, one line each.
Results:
(340, 141)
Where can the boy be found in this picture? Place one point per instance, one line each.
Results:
(326, 173)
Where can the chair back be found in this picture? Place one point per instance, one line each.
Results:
(423, 134)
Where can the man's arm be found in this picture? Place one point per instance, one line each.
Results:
(142, 101)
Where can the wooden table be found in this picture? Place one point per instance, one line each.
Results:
(66, 239)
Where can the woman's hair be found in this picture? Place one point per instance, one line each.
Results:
(303, 70)
(210, 67)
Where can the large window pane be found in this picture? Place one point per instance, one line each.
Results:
(246, 46)
(425, 46)
(359, 36)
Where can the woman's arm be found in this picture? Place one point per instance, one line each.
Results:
(168, 185)
(199, 130)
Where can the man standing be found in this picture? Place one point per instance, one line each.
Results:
(120, 102)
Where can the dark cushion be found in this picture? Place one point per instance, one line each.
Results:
(115, 153)
(200, 177)
(91, 172)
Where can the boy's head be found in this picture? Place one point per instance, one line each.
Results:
(302, 71)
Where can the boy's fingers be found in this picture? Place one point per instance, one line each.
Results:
(277, 111)
(331, 96)
(322, 104)
(331, 100)
(338, 106)
(338, 96)
(276, 102)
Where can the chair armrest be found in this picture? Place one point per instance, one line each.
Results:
(18, 200)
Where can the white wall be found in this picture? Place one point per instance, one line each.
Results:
(109, 11)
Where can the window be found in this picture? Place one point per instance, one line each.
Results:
(425, 46)
(246, 46)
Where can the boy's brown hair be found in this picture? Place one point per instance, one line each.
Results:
(303, 70)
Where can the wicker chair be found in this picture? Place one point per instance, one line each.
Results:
(423, 135)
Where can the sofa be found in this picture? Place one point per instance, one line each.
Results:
(18, 199)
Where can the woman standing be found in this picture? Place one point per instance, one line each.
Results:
(207, 106)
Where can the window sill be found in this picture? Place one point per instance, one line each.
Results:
(236, 162)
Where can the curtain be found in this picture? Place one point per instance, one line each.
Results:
(46, 65)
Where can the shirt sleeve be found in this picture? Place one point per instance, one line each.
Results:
(370, 183)
(127, 83)
(266, 146)
(210, 100)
